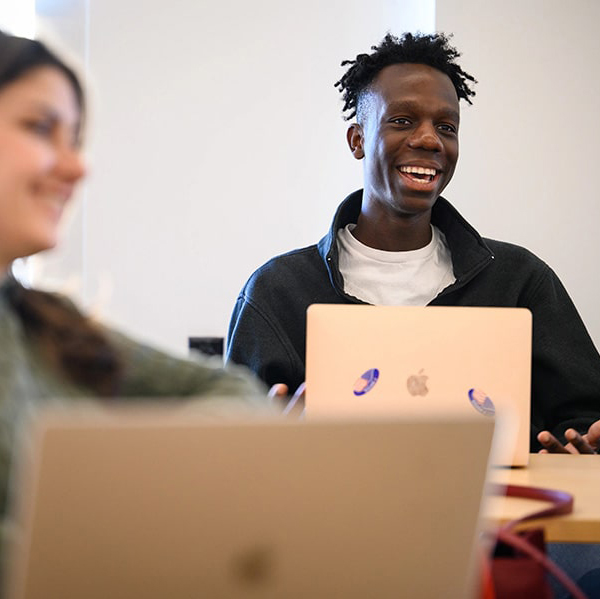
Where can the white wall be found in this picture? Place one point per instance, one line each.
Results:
(527, 171)
(216, 142)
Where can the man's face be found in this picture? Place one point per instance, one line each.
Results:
(408, 136)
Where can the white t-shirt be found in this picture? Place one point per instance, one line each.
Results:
(384, 278)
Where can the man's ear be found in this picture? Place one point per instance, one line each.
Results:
(354, 136)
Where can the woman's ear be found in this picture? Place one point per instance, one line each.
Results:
(354, 136)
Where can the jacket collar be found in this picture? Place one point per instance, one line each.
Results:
(470, 253)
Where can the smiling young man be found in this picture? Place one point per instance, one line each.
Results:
(398, 242)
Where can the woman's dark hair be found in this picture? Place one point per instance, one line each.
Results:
(19, 55)
(433, 50)
(70, 341)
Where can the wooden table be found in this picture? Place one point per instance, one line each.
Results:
(578, 475)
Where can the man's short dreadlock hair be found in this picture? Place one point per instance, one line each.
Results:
(433, 50)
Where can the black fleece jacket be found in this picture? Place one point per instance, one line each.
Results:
(268, 326)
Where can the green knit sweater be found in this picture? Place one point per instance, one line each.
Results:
(27, 382)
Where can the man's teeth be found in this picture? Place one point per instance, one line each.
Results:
(419, 174)
(418, 170)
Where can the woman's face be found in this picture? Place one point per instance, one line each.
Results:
(40, 160)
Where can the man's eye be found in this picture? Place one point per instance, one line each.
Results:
(401, 121)
(447, 128)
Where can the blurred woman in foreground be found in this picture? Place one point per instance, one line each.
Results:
(48, 349)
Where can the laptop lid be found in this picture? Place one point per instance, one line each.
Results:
(394, 359)
(160, 505)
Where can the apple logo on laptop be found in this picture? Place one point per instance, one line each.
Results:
(366, 381)
(417, 384)
(481, 402)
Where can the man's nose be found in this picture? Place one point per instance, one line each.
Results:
(426, 137)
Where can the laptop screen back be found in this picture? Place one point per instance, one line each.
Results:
(397, 359)
(154, 506)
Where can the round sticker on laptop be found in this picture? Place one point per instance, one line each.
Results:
(366, 381)
(481, 402)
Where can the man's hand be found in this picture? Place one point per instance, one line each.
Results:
(586, 444)
(293, 406)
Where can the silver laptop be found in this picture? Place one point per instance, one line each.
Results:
(394, 359)
(163, 504)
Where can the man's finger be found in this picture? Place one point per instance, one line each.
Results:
(279, 390)
(300, 393)
(551, 443)
(578, 442)
(593, 435)
(295, 406)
